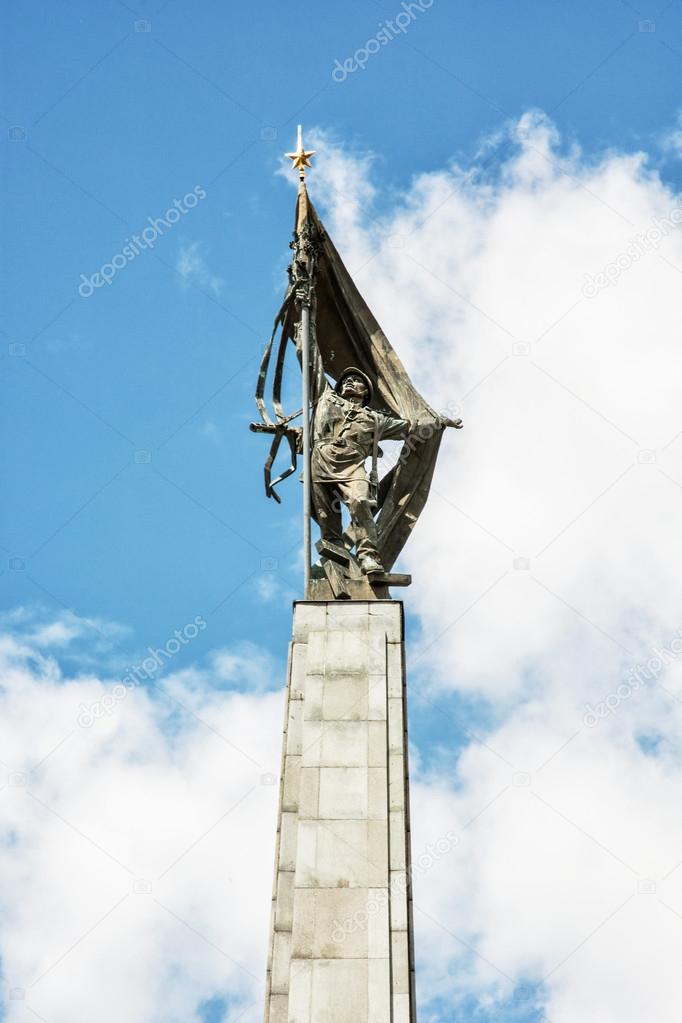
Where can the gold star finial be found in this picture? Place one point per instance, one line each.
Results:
(301, 158)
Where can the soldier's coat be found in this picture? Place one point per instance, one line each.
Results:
(343, 437)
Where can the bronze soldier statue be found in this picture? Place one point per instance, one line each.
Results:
(346, 432)
(337, 338)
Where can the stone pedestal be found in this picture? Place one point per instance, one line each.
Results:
(341, 932)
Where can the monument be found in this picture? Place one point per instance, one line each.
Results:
(341, 937)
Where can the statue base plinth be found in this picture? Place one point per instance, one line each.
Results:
(338, 576)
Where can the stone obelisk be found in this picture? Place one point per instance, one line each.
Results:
(341, 947)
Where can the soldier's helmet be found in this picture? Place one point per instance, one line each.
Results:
(354, 371)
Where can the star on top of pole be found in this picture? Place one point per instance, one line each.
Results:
(301, 158)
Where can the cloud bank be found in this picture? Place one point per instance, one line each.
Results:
(138, 852)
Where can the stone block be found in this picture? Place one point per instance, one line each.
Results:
(309, 793)
(273, 906)
(347, 609)
(396, 823)
(330, 923)
(287, 841)
(341, 854)
(377, 796)
(343, 793)
(314, 691)
(294, 745)
(396, 736)
(377, 707)
(284, 908)
(281, 962)
(401, 1008)
(378, 937)
(291, 783)
(278, 1009)
(311, 744)
(307, 873)
(344, 744)
(287, 699)
(345, 698)
(377, 653)
(400, 963)
(316, 652)
(347, 653)
(387, 616)
(308, 617)
(340, 992)
(379, 991)
(396, 793)
(348, 617)
(398, 900)
(298, 668)
(377, 853)
(275, 873)
(300, 992)
(395, 669)
(377, 744)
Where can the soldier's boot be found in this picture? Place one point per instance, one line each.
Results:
(370, 564)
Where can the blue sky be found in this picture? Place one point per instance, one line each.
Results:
(120, 122)
(134, 489)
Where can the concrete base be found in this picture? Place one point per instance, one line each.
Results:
(341, 933)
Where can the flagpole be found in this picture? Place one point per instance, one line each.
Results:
(301, 160)
(307, 495)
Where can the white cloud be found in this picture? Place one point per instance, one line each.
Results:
(209, 430)
(247, 666)
(40, 628)
(478, 280)
(672, 140)
(167, 790)
(193, 268)
(271, 589)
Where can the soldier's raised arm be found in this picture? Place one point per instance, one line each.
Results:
(393, 428)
